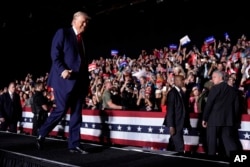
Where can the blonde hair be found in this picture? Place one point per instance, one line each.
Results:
(80, 13)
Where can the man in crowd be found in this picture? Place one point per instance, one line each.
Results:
(107, 102)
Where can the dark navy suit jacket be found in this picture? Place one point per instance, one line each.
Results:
(69, 93)
(66, 56)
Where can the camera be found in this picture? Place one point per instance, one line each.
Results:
(129, 85)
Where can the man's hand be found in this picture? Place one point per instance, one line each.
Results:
(2, 120)
(172, 131)
(66, 74)
(204, 124)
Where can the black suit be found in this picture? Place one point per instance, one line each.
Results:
(11, 111)
(177, 116)
(223, 117)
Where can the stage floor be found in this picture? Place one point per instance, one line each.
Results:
(22, 148)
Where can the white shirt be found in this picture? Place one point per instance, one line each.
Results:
(11, 95)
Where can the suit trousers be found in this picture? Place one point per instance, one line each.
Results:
(178, 140)
(10, 126)
(225, 137)
(64, 101)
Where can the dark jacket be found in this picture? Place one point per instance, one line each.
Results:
(10, 109)
(222, 107)
(38, 100)
(65, 55)
(177, 114)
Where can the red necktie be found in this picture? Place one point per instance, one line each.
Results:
(79, 38)
(80, 44)
(81, 49)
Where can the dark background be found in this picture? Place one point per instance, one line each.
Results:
(27, 28)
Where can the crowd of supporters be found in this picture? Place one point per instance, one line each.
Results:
(142, 83)
(26, 89)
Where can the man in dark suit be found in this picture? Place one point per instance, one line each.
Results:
(177, 116)
(69, 79)
(222, 116)
(10, 109)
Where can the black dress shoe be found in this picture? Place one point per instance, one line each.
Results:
(39, 142)
(78, 150)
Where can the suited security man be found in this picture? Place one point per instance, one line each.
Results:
(222, 116)
(68, 78)
(177, 116)
(10, 109)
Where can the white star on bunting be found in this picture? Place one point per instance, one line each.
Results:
(86, 125)
(129, 128)
(185, 131)
(150, 129)
(246, 135)
(161, 130)
(139, 129)
(119, 127)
